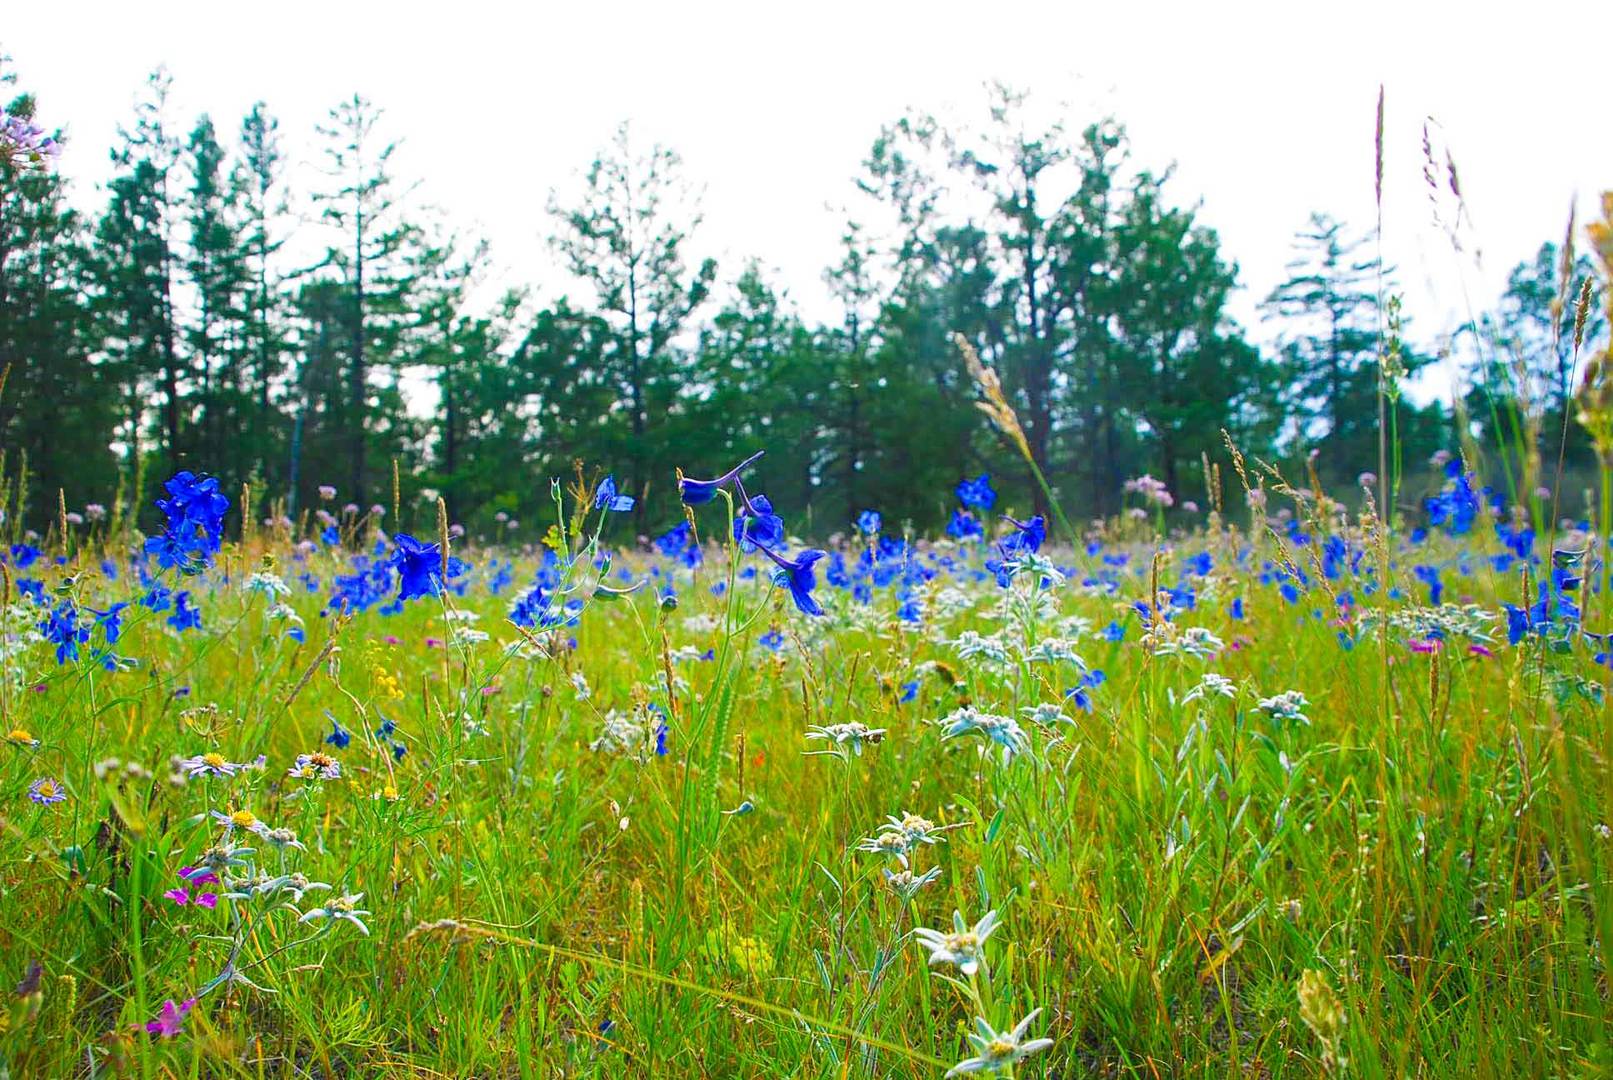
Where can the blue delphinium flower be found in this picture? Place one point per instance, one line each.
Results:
(1081, 694)
(110, 621)
(756, 525)
(695, 492)
(797, 575)
(964, 526)
(195, 509)
(977, 493)
(186, 616)
(869, 522)
(61, 627)
(608, 499)
(419, 567)
(1457, 505)
(1027, 537)
(339, 736)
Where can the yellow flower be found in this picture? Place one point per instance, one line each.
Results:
(21, 737)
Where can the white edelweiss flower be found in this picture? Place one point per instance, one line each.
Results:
(1195, 641)
(997, 1050)
(283, 613)
(1212, 685)
(270, 585)
(341, 909)
(972, 643)
(963, 947)
(1046, 714)
(1288, 705)
(1002, 730)
(853, 733)
(904, 884)
(1054, 651)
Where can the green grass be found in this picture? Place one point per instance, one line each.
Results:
(1432, 841)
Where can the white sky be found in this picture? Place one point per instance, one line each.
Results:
(1267, 109)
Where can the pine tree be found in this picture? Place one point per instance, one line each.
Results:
(217, 273)
(135, 270)
(1172, 339)
(1330, 345)
(57, 410)
(371, 259)
(259, 191)
(625, 240)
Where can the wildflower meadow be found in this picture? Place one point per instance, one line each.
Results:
(1284, 793)
(1025, 670)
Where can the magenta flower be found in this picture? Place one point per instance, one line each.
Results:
(1481, 650)
(1424, 647)
(191, 875)
(171, 1021)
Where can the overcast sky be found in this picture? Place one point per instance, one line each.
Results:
(1266, 110)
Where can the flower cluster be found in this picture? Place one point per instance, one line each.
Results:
(194, 510)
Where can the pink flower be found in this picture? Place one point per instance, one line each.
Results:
(171, 1020)
(1481, 650)
(391, 640)
(190, 875)
(1424, 647)
(433, 643)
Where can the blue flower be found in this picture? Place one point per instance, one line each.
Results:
(339, 736)
(62, 628)
(185, 616)
(1027, 538)
(964, 526)
(756, 525)
(608, 498)
(797, 576)
(195, 509)
(1457, 505)
(110, 621)
(869, 522)
(772, 641)
(695, 492)
(977, 493)
(910, 690)
(419, 567)
(1081, 695)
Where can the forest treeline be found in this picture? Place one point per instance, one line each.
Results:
(206, 315)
